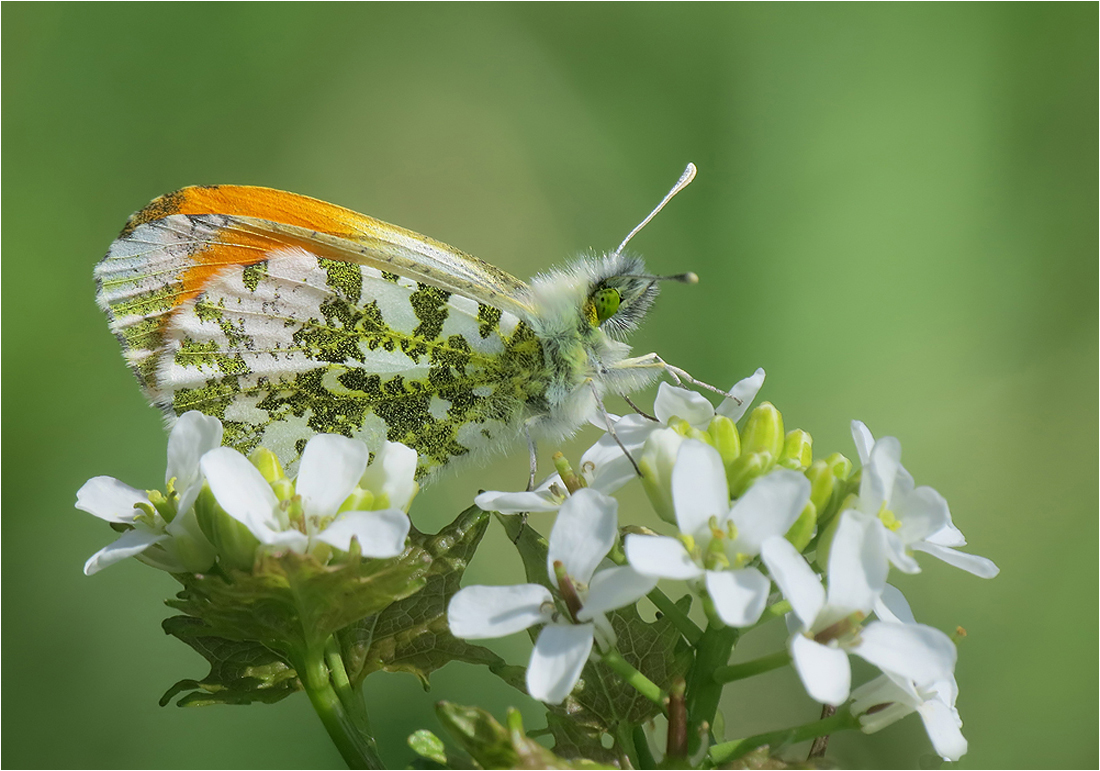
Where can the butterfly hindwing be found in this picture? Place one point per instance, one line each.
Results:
(242, 319)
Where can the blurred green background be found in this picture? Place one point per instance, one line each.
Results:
(895, 215)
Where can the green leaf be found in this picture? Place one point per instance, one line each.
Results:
(492, 745)
(428, 746)
(574, 741)
(411, 635)
(291, 602)
(601, 702)
(240, 672)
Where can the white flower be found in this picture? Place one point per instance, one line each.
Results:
(826, 626)
(912, 518)
(605, 467)
(672, 401)
(887, 699)
(583, 534)
(725, 539)
(599, 469)
(177, 545)
(330, 468)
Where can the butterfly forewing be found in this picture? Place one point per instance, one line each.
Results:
(252, 321)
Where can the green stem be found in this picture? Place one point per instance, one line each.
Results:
(677, 617)
(704, 692)
(727, 751)
(635, 679)
(641, 746)
(351, 736)
(728, 674)
(772, 612)
(624, 741)
(349, 695)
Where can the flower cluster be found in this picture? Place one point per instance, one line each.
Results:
(221, 507)
(758, 524)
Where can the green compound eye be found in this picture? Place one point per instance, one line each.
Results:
(606, 303)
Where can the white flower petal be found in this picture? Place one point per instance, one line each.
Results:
(948, 536)
(795, 578)
(482, 612)
(699, 488)
(241, 490)
(824, 670)
(768, 509)
(971, 563)
(687, 405)
(857, 564)
(897, 553)
(892, 606)
(129, 544)
(557, 660)
(583, 534)
(380, 533)
(914, 651)
(739, 596)
(922, 513)
(942, 724)
(864, 441)
(110, 499)
(877, 482)
(391, 476)
(330, 469)
(539, 499)
(193, 436)
(614, 588)
(661, 556)
(745, 391)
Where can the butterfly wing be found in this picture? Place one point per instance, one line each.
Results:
(285, 316)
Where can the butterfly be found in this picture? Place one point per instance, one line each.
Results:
(285, 316)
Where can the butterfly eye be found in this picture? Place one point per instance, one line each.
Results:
(606, 303)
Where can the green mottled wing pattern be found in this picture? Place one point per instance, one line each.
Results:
(297, 345)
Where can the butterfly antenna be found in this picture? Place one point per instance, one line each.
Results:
(684, 181)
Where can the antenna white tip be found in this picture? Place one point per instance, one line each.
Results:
(681, 183)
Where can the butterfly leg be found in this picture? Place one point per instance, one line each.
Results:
(611, 426)
(533, 450)
(679, 376)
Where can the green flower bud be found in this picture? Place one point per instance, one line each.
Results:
(841, 466)
(764, 431)
(283, 488)
(745, 471)
(688, 431)
(830, 480)
(725, 439)
(797, 451)
(802, 531)
(235, 545)
(656, 462)
(268, 464)
(359, 500)
(822, 484)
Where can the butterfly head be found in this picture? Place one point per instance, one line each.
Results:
(621, 291)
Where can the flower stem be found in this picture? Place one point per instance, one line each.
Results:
(704, 692)
(728, 674)
(728, 751)
(346, 727)
(676, 617)
(635, 679)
